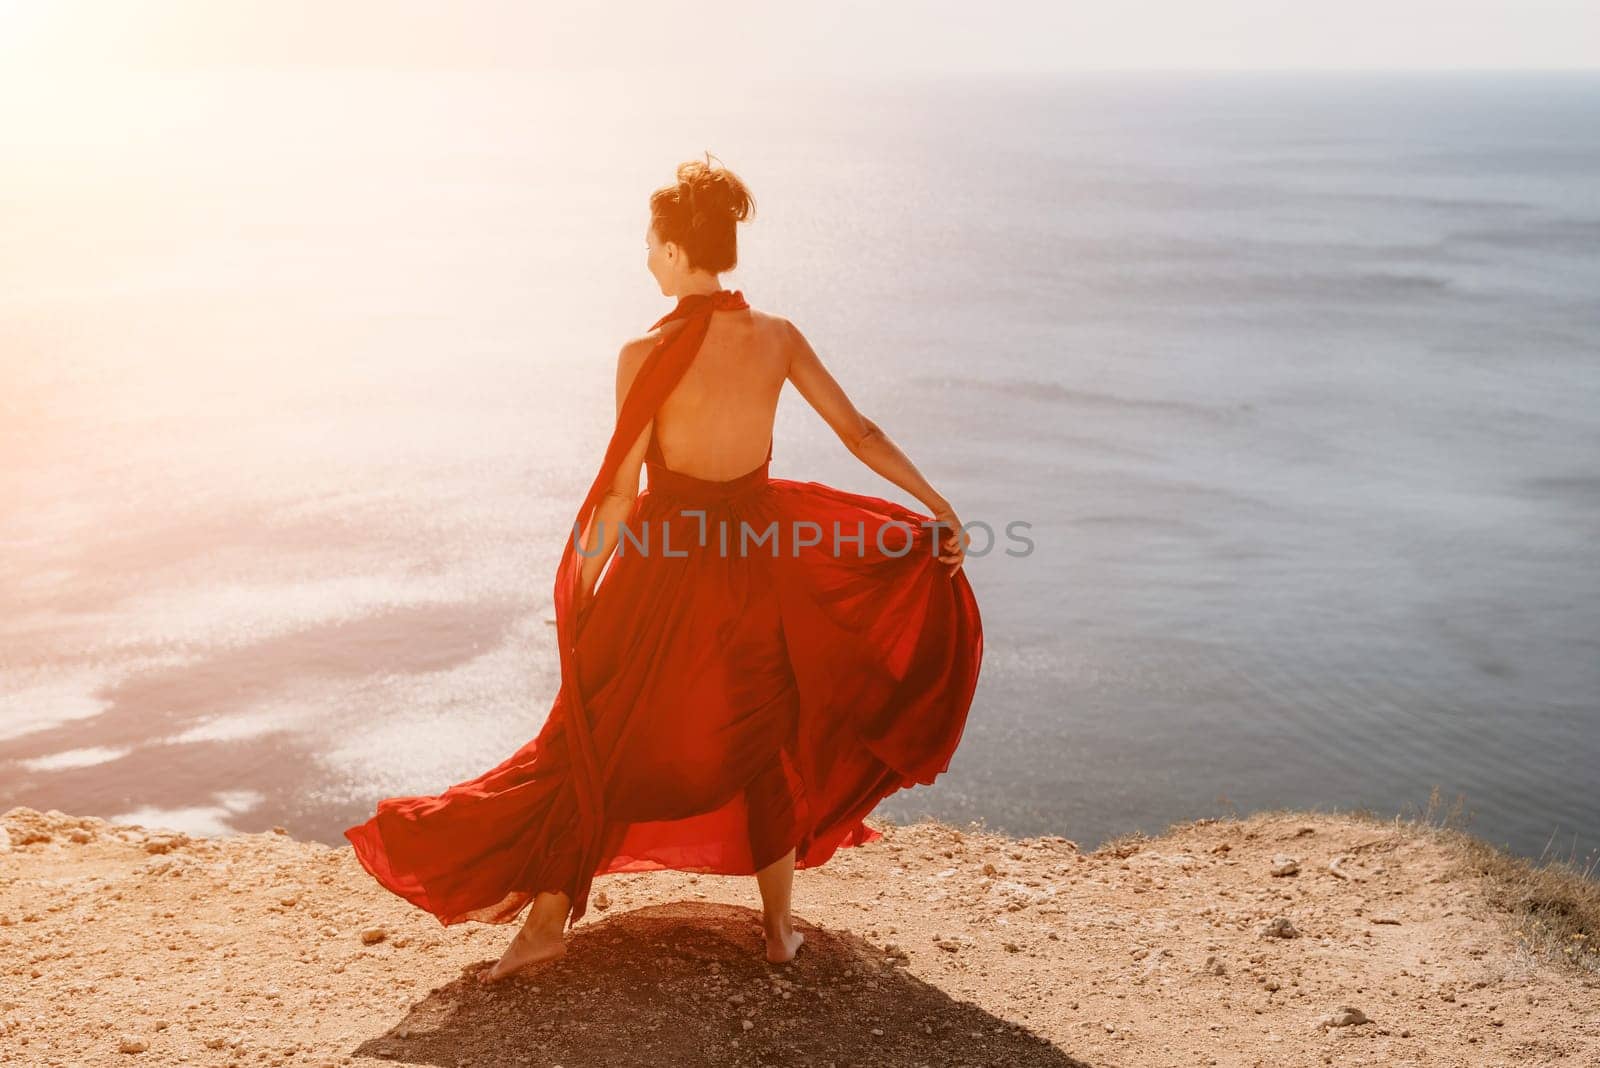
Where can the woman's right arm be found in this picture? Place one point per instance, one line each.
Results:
(866, 440)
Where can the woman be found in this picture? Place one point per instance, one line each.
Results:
(764, 662)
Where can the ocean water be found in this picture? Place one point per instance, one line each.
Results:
(1296, 380)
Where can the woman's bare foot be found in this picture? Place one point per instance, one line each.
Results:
(527, 948)
(783, 944)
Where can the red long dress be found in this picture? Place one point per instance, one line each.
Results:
(747, 678)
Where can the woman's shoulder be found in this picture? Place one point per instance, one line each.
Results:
(635, 349)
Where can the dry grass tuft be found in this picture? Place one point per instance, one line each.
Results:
(1553, 901)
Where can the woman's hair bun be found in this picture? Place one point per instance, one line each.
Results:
(700, 211)
(713, 190)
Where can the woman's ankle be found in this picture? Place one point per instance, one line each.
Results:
(545, 926)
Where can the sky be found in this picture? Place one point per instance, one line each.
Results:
(887, 39)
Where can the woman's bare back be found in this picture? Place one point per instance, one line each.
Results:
(717, 422)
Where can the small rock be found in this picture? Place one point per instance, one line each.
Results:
(79, 835)
(602, 900)
(1285, 865)
(1278, 927)
(1213, 966)
(131, 1044)
(373, 934)
(746, 1024)
(1343, 1016)
(990, 869)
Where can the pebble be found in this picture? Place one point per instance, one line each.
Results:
(1285, 865)
(132, 1044)
(1343, 1016)
(1279, 927)
(1335, 869)
(373, 934)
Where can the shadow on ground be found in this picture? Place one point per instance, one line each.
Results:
(676, 984)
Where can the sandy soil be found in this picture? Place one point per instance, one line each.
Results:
(1260, 941)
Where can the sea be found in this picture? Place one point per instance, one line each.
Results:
(1291, 382)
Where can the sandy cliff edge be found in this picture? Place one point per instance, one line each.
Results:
(1266, 940)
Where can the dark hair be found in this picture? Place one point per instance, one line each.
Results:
(700, 212)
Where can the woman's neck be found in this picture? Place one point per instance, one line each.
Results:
(699, 287)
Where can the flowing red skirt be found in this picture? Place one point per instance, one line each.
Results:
(745, 698)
